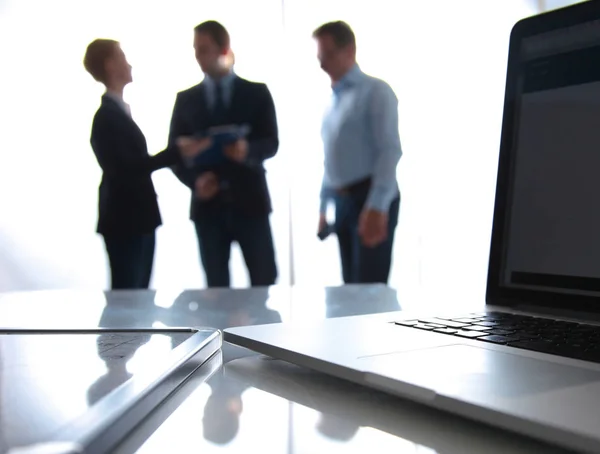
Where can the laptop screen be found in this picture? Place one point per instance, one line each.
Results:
(552, 236)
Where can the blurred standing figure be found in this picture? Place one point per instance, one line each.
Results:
(128, 210)
(230, 200)
(362, 150)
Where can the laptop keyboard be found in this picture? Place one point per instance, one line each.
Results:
(569, 339)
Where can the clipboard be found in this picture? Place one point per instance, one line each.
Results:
(221, 136)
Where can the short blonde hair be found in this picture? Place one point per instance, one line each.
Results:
(96, 54)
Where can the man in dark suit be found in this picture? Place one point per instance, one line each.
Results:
(128, 210)
(231, 199)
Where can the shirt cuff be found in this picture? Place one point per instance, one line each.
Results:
(256, 151)
(380, 199)
(325, 194)
(323, 206)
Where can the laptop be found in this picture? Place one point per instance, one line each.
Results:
(530, 361)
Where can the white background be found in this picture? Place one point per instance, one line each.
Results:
(445, 60)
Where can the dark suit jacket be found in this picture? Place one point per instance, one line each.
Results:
(251, 103)
(127, 202)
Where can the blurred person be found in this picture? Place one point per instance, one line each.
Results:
(362, 150)
(128, 213)
(119, 313)
(230, 198)
(223, 409)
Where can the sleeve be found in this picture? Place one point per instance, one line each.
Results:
(112, 151)
(263, 141)
(177, 129)
(325, 195)
(383, 116)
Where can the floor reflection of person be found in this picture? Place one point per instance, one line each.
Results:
(222, 309)
(221, 420)
(110, 345)
(336, 427)
(116, 354)
(349, 300)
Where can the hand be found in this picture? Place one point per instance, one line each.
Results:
(322, 223)
(373, 227)
(207, 186)
(237, 151)
(190, 147)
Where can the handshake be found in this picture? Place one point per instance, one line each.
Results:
(191, 147)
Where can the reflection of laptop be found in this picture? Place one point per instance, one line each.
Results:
(531, 361)
(83, 391)
(345, 408)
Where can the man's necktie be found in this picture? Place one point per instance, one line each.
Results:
(219, 109)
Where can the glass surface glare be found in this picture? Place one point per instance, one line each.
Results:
(47, 381)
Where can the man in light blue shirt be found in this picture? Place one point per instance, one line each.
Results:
(362, 150)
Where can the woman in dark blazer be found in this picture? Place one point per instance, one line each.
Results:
(128, 210)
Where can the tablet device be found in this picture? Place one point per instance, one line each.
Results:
(83, 391)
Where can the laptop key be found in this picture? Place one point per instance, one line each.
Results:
(435, 325)
(498, 339)
(478, 328)
(499, 332)
(510, 327)
(407, 322)
(465, 320)
(424, 327)
(577, 345)
(470, 334)
(455, 324)
(434, 320)
(444, 330)
(531, 333)
(584, 330)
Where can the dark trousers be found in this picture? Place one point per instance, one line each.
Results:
(253, 234)
(361, 264)
(131, 258)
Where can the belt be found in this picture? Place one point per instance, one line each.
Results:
(359, 186)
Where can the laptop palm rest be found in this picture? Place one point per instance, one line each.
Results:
(464, 370)
(512, 391)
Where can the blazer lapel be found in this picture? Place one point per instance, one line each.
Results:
(237, 88)
(128, 122)
(200, 106)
